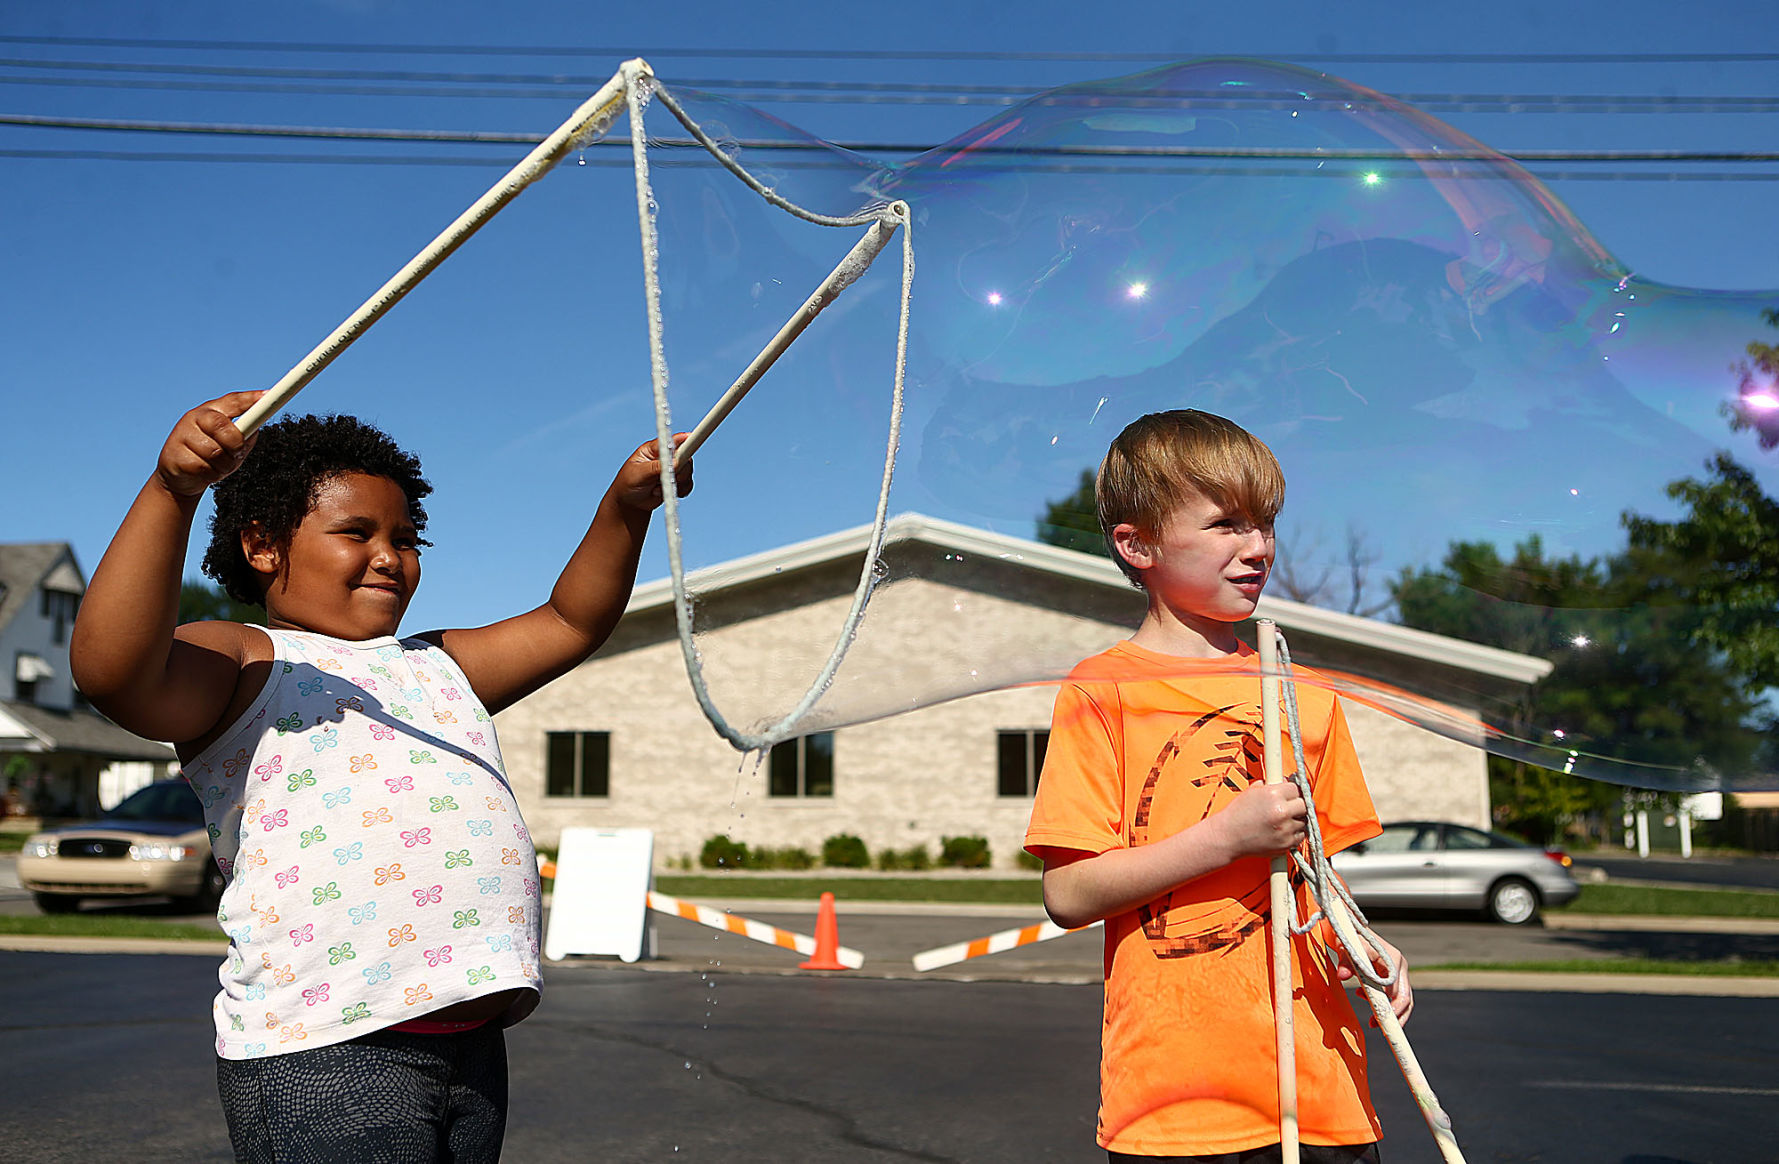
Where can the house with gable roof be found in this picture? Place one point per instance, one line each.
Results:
(56, 753)
(621, 742)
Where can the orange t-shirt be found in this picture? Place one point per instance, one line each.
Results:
(1142, 746)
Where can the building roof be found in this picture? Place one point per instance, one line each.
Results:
(26, 565)
(1371, 634)
(26, 727)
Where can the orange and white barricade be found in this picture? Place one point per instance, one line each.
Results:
(716, 919)
(995, 943)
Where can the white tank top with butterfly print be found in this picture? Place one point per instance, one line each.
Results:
(377, 865)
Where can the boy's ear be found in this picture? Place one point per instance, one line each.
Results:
(260, 551)
(1133, 546)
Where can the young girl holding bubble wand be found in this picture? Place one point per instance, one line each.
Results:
(382, 904)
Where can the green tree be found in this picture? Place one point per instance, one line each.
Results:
(1073, 522)
(199, 601)
(1629, 682)
(1757, 403)
(1721, 561)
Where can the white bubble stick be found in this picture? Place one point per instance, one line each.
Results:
(876, 237)
(1284, 1029)
(1438, 1122)
(592, 117)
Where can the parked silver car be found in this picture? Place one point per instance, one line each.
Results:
(1437, 865)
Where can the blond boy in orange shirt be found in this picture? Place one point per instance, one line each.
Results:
(1152, 816)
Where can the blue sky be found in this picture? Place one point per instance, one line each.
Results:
(136, 288)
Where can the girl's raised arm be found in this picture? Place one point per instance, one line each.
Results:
(128, 656)
(510, 659)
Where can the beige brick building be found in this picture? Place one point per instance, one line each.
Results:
(621, 741)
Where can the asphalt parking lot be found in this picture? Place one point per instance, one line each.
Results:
(720, 1049)
(109, 1056)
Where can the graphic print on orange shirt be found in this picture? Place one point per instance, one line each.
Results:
(1229, 767)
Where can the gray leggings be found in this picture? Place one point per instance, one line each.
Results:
(385, 1098)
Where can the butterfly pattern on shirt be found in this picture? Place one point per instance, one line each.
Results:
(363, 816)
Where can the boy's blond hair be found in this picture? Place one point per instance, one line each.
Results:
(1161, 460)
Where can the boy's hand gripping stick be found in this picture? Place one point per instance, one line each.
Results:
(591, 118)
(1280, 884)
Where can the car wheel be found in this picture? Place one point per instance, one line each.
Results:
(56, 902)
(1513, 902)
(209, 890)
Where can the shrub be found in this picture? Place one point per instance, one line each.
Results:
(964, 852)
(915, 857)
(1029, 861)
(845, 851)
(720, 852)
(790, 857)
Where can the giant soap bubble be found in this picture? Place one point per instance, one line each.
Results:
(1435, 347)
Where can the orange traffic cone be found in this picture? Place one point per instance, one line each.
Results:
(827, 938)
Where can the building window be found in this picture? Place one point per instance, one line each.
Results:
(59, 607)
(803, 766)
(1021, 756)
(578, 764)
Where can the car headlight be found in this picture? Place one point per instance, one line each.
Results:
(158, 851)
(40, 847)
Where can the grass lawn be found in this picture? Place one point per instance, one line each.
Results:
(852, 887)
(110, 925)
(12, 842)
(1621, 900)
(1665, 902)
(1725, 969)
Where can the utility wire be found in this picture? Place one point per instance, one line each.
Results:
(453, 136)
(892, 92)
(612, 162)
(843, 93)
(621, 52)
(589, 80)
(866, 147)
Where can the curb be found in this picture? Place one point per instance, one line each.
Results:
(44, 944)
(1654, 924)
(883, 908)
(1532, 982)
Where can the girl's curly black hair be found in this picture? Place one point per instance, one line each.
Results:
(275, 486)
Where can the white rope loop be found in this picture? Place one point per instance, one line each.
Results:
(1315, 868)
(1354, 936)
(641, 86)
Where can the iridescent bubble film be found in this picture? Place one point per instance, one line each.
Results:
(1437, 350)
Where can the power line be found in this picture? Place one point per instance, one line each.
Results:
(593, 81)
(453, 136)
(298, 88)
(703, 161)
(38, 121)
(408, 84)
(617, 53)
(673, 152)
(256, 158)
